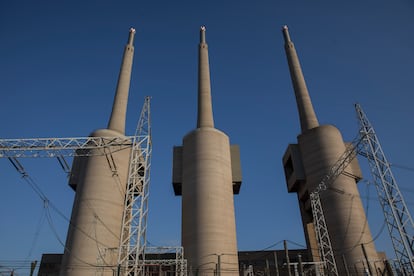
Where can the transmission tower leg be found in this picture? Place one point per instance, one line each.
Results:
(397, 216)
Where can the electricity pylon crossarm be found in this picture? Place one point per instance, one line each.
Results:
(54, 147)
(397, 216)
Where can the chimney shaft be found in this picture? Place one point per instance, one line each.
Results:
(307, 115)
(119, 108)
(205, 110)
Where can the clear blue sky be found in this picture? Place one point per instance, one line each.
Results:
(59, 63)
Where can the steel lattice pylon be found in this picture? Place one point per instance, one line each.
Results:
(131, 256)
(397, 216)
(133, 240)
(325, 247)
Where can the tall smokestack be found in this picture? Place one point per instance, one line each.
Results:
(118, 115)
(205, 110)
(306, 163)
(307, 115)
(100, 183)
(206, 172)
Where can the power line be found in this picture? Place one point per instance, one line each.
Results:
(403, 167)
(47, 204)
(36, 235)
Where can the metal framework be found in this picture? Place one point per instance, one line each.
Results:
(325, 247)
(131, 256)
(397, 216)
(133, 240)
(54, 147)
(179, 263)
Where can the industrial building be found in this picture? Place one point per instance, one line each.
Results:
(305, 165)
(263, 262)
(100, 185)
(206, 173)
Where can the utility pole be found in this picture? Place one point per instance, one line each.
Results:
(300, 265)
(287, 256)
(32, 267)
(267, 268)
(276, 263)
